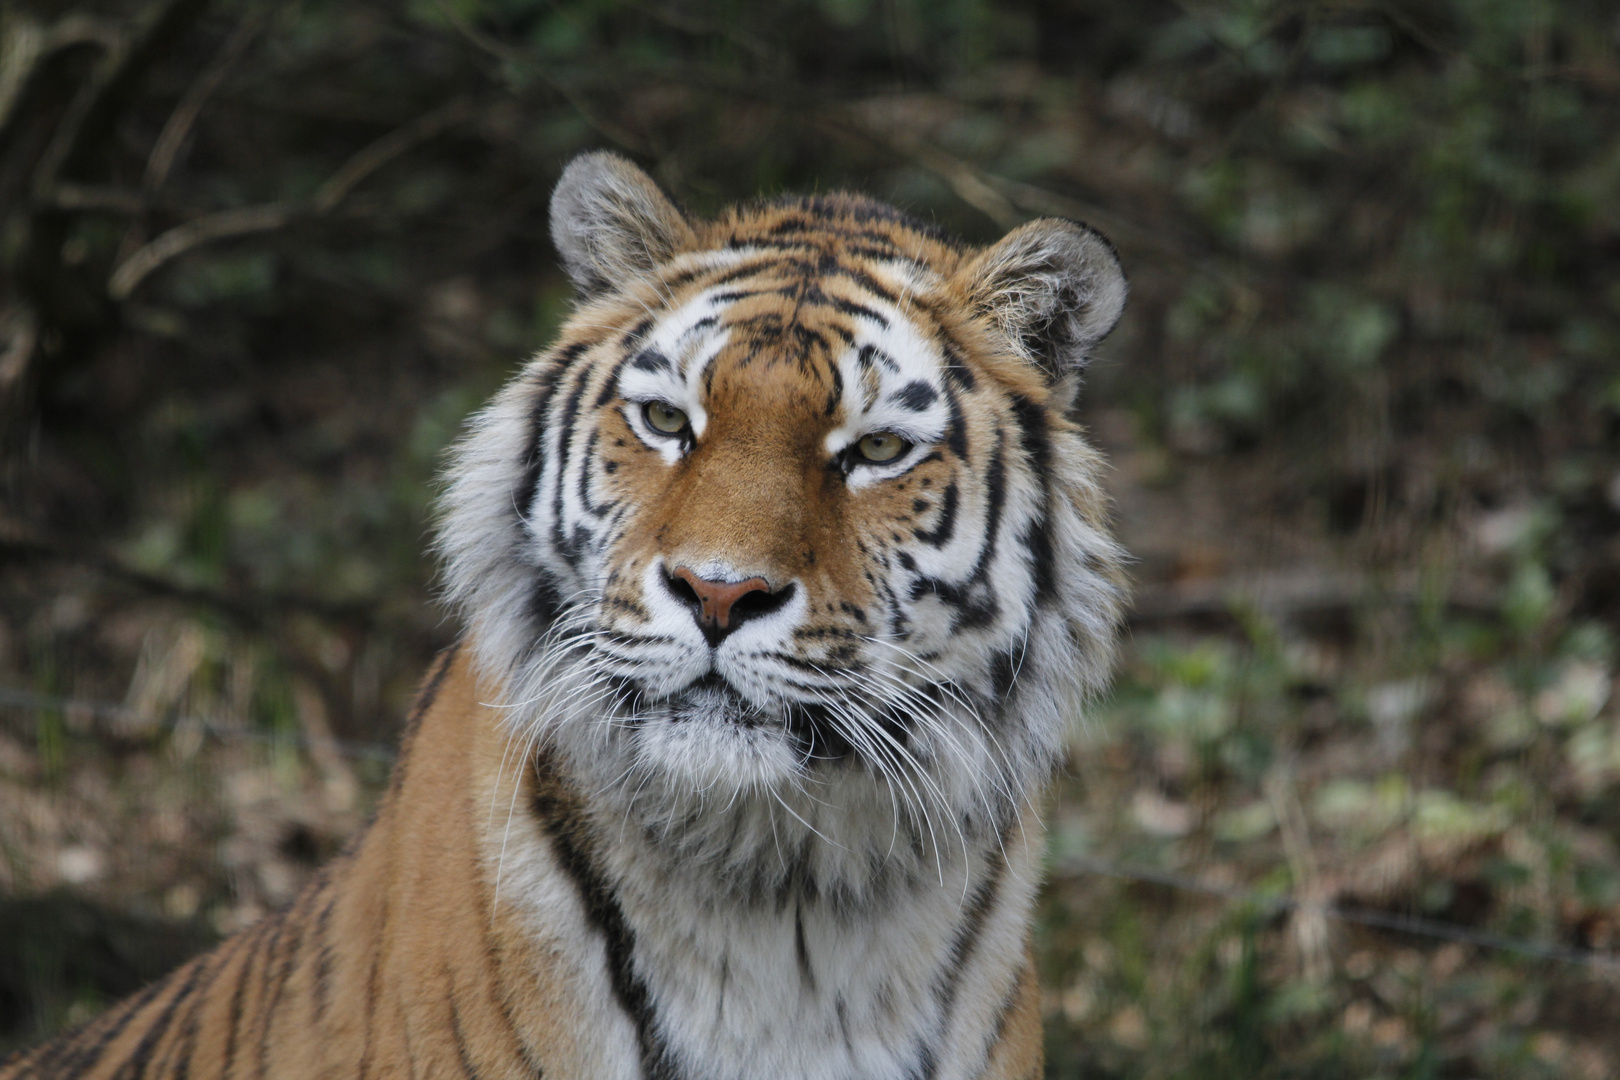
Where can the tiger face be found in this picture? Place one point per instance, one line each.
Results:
(794, 507)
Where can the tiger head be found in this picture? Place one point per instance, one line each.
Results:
(795, 504)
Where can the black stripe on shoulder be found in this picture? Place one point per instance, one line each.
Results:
(74, 1055)
(463, 1051)
(134, 1066)
(561, 813)
(425, 697)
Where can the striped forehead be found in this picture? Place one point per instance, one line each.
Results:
(848, 328)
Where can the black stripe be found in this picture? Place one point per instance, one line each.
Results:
(955, 370)
(610, 385)
(1004, 667)
(807, 974)
(561, 814)
(463, 1055)
(569, 420)
(941, 534)
(425, 697)
(282, 976)
(186, 1049)
(870, 355)
(323, 958)
(963, 947)
(250, 944)
(650, 359)
(491, 953)
(533, 458)
(860, 311)
(593, 508)
(1036, 440)
(135, 1064)
(973, 598)
(836, 394)
(956, 427)
(82, 1055)
(916, 395)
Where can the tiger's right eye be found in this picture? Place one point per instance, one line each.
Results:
(662, 416)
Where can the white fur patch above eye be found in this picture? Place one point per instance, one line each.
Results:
(893, 380)
(668, 367)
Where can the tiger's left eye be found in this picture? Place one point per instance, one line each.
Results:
(881, 446)
(662, 416)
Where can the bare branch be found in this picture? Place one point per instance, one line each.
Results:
(173, 136)
(386, 149)
(244, 221)
(126, 56)
(182, 238)
(28, 45)
(19, 332)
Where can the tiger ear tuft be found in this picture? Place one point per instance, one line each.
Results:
(611, 222)
(1054, 287)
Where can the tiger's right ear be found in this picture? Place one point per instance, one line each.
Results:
(610, 222)
(1054, 287)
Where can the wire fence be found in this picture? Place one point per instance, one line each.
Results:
(1269, 904)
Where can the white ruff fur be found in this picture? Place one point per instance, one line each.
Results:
(863, 917)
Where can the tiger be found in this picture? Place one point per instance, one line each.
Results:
(781, 576)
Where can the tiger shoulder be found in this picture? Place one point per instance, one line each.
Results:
(781, 576)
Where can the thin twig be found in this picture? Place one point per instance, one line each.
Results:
(244, 221)
(108, 88)
(28, 45)
(386, 149)
(160, 162)
(204, 230)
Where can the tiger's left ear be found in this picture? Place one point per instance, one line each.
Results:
(1054, 287)
(611, 223)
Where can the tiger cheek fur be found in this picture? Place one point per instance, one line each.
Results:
(783, 573)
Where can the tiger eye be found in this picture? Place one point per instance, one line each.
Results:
(665, 417)
(881, 446)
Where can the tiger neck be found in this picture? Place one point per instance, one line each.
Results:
(730, 953)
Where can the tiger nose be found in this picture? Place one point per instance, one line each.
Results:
(721, 606)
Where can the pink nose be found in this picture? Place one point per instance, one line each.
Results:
(717, 597)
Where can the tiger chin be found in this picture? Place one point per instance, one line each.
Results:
(782, 574)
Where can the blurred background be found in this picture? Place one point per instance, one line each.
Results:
(1351, 809)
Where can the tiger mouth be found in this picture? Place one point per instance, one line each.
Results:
(711, 699)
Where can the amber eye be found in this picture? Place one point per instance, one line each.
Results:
(661, 416)
(881, 446)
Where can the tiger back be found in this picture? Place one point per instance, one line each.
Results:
(782, 574)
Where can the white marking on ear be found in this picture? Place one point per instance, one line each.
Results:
(1054, 287)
